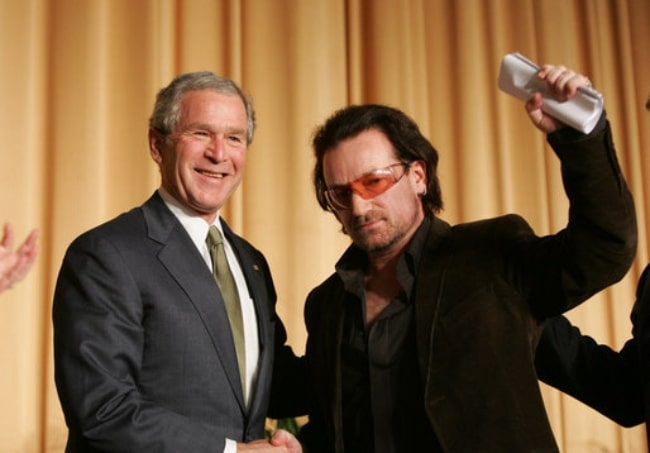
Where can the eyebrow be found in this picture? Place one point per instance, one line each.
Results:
(228, 130)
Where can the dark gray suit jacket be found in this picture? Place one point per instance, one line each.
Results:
(144, 358)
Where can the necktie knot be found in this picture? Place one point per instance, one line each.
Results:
(214, 238)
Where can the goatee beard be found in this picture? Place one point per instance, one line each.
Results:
(383, 240)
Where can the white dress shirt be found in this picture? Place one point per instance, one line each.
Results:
(197, 228)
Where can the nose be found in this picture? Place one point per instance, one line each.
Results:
(358, 205)
(216, 149)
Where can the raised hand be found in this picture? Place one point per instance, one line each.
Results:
(561, 81)
(15, 264)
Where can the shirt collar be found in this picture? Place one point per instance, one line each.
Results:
(195, 226)
(351, 266)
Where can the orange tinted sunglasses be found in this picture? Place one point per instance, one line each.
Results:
(368, 186)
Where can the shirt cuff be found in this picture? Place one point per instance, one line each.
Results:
(231, 446)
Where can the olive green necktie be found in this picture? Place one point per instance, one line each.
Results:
(230, 296)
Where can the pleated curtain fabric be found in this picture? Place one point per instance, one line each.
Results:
(230, 295)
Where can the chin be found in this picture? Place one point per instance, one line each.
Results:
(370, 245)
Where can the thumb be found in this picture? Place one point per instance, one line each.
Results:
(280, 437)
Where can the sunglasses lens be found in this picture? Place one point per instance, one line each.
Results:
(340, 197)
(374, 184)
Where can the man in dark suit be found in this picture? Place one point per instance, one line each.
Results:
(615, 383)
(424, 338)
(145, 356)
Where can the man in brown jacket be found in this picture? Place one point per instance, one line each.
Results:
(424, 338)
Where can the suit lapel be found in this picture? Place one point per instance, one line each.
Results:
(186, 266)
(429, 288)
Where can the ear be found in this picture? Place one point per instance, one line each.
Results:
(155, 145)
(418, 174)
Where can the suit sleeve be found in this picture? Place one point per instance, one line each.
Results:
(598, 245)
(99, 339)
(604, 379)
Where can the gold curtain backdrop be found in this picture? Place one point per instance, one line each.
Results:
(77, 85)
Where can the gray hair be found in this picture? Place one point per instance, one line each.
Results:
(166, 111)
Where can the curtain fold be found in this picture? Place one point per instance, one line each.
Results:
(80, 76)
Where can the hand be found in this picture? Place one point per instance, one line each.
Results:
(562, 82)
(14, 265)
(286, 439)
(281, 442)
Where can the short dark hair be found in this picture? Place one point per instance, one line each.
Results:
(409, 143)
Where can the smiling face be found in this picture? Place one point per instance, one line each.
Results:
(202, 161)
(385, 223)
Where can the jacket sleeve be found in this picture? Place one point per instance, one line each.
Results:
(598, 244)
(99, 340)
(606, 380)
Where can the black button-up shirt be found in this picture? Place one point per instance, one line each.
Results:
(383, 402)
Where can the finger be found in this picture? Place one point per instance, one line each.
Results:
(280, 437)
(32, 239)
(570, 84)
(563, 81)
(8, 237)
(534, 103)
(551, 73)
(284, 438)
(30, 246)
(534, 108)
(544, 71)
